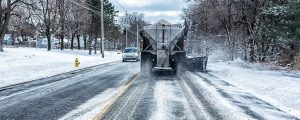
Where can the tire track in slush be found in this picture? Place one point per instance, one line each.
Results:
(123, 108)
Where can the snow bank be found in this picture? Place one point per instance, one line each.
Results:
(256, 66)
(279, 88)
(19, 65)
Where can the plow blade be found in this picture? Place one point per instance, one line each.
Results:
(197, 63)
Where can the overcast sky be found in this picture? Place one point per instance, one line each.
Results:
(153, 9)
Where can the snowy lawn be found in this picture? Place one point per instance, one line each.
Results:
(19, 65)
(279, 88)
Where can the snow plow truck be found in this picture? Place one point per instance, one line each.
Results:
(163, 47)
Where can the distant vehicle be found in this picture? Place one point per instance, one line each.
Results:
(131, 53)
(119, 51)
(163, 48)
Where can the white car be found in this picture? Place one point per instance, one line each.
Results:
(131, 53)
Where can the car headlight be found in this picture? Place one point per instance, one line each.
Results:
(136, 54)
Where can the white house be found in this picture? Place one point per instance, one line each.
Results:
(43, 42)
(8, 40)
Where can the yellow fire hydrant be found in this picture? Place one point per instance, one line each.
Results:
(76, 62)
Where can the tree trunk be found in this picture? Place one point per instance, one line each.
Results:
(293, 51)
(252, 53)
(84, 41)
(72, 41)
(78, 41)
(90, 47)
(114, 44)
(49, 41)
(95, 45)
(62, 21)
(245, 54)
(62, 47)
(245, 49)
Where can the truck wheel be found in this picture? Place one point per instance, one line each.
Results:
(146, 64)
(180, 63)
(178, 68)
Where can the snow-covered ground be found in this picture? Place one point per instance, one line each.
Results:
(279, 88)
(19, 65)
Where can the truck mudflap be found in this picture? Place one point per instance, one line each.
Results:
(196, 63)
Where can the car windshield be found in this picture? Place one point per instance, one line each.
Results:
(130, 51)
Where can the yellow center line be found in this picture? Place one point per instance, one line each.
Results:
(121, 90)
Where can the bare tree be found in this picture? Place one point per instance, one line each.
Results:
(62, 11)
(133, 21)
(234, 20)
(45, 17)
(5, 15)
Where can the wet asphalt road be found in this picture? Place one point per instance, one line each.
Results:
(141, 103)
(53, 97)
(190, 100)
(160, 95)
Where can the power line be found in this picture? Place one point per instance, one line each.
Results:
(94, 11)
(88, 8)
(89, 5)
(120, 6)
(126, 21)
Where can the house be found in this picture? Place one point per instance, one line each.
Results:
(8, 40)
(42, 42)
(26, 41)
(81, 42)
(108, 45)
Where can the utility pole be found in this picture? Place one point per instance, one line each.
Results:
(102, 30)
(126, 28)
(137, 35)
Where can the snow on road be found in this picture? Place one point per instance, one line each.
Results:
(19, 65)
(213, 104)
(169, 101)
(279, 88)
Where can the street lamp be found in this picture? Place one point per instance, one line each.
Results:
(137, 35)
(126, 19)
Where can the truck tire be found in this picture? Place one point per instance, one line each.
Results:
(146, 63)
(180, 63)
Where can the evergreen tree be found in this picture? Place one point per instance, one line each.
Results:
(109, 16)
